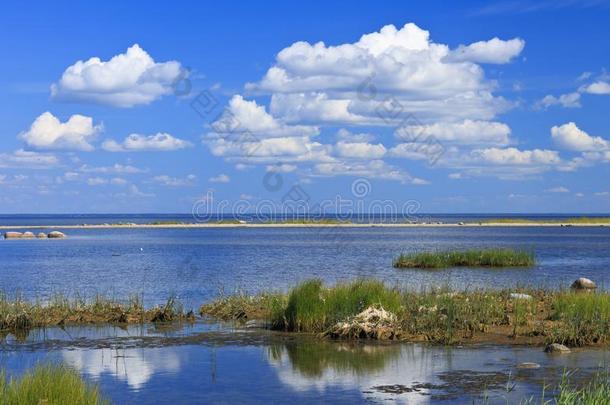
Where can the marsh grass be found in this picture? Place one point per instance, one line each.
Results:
(49, 384)
(582, 318)
(436, 315)
(469, 258)
(19, 315)
(575, 220)
(311, 307)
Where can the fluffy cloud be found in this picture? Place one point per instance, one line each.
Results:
(96, 181)
(116, 168)
(360, 150)
(570, 137)
(599, 87)
(467, 132)
(137, 142)
(372, 169)
(569, 100)
(347, 83)
(242, 116)
(516, 157)
(221, 178)
(47, 132)
(493, 51)
(175, 181)
(28, 160)
(127, 79)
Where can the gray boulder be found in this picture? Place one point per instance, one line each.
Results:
(56, 235)
(583, 284)
(557, 348)
(27, 235)
(41, 235)
(12, 235)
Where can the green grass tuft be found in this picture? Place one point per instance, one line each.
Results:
(49, 384)
(469, 258)
(582, 318)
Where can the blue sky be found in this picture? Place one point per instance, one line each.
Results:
(478, 107)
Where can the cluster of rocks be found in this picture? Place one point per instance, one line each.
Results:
(30, 235)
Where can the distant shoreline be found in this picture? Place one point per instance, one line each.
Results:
(307, 225)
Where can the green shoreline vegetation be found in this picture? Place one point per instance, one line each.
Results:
(469, 258)
(49, 384)
(18, 316)
(369, 309)
(573, 220)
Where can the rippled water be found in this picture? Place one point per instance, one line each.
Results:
(209, 363)
(195, 264)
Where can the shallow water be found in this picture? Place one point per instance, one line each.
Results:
(212, 364)
(196, 264)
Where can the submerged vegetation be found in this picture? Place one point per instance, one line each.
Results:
(18, 315)
(469, 258)
(369, 309)
(48, 384)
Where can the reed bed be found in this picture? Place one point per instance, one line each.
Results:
(49, 384)
(439, 316)
(468, 258)
(19, 315)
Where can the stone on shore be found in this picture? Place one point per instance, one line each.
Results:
(583, 284)
(27, 235)
(12, 235)
(56, 235)
(557, 348)
(41, 235)
(520, 296)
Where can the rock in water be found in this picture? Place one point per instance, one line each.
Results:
(27, 235)
(56, 234)
(528, 366)
(557, 348)
(12, 235)
(583, 284)
(41, 235)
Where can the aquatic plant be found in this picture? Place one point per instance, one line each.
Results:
(582, 318)
(49, 384)
(18, 315)
(435, 315)
(469, 258)
(311, 307)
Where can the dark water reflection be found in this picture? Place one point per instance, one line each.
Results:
(204, 365)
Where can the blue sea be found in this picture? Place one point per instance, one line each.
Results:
(214, 363)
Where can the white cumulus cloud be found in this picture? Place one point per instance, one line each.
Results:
(136, 142)
(48, 132)
(493, 51)
(221, 178)
(467, 132)
(126, 80)
(570, 137)
(516, 157)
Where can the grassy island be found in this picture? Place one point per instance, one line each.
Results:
(370, 309)
(18, 316)
(470, 258)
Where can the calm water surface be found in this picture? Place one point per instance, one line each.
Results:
(209, 363)
(196, 264)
